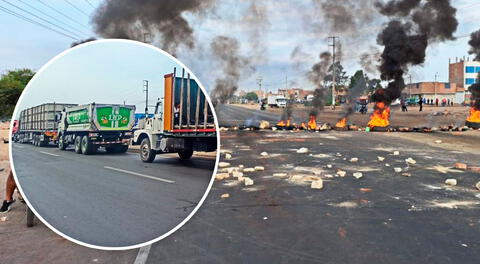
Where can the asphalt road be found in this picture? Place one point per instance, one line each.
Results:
(110, 199)
(232, 115)
(383, 217)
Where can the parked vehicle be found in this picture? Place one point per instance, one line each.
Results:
(90, 126)
(278, 101)
(182, 123)
(38, 125)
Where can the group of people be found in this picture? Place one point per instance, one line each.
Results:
(421, 101)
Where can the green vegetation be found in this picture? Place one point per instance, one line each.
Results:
(12, 84)
(251, 96)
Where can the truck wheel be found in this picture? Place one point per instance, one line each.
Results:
(78, 143)
(123, 148)
(61, 143)
(185, 154)
(146, 152)
(87, 146)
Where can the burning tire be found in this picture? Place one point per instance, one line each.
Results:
(474, 125)
(146, 152)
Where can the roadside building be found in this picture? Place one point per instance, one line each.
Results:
(464, 73)
(436, 90)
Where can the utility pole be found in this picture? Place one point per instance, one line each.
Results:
(145, 89)
(435, 85)
(410, 88)
(259, 82)
(333, 45)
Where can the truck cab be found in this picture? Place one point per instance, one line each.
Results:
(182, 122)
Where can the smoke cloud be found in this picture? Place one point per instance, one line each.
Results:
(413, 26)
(131, 19)
(317, 76)
(475, 49)
(227, 53)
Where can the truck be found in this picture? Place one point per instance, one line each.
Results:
(38, 125)
(182, 122)
(91, 126)
(278, 101)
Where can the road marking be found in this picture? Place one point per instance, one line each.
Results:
(44, 152)
(141, 175)
(142, 255)
(19, 146)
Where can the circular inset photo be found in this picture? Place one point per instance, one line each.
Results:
(114, 144)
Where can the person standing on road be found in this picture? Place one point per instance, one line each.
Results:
(436, 102)
(420, 102)
(10, 189)
(404, 105)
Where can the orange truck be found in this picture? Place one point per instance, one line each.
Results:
(182, 123)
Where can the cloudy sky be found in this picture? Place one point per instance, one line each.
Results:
(290, 25)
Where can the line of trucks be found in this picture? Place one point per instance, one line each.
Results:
(182, 123)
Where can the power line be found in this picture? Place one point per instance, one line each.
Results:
(90, 4)
(13, 13)
(79, 10)
(32, 14)
(54, 18)
(54, 9)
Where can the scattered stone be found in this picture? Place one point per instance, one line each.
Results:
(225, 195)
(396, 153)
(247, 181)
(380, 158)
(338, 154)
(397, 170)
(259, 168)
(353, 159)
(438, 141)
(249, 170)
(329, 166)
(411, 161)
(406, 174)
(228, 156)
(474, 169)
(460, 166)
(358, 175)
(223, 164)
(3, 219)
(274, 128)
(280, 174)
(265, 218)
(264, 154)
(387, 165)
(223, 129)
(237, 174)
(264, 124)
(341, 173)
(451, 182)
(302, 150)
(221, 176)
(328, 176)
(478, 185)
(241, 166)
(318, 184)
(364, 190)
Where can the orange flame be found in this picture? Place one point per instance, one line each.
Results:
(281, 123)
(312, 123)
(474, 115)
(288, 123)
(342, 123)
(380, 116)
(303, 126)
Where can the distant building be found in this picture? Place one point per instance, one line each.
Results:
(464, 73)
(295, 93)
(434, 90)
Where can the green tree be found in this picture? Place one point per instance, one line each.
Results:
(341, 77)
(251, 96)
(12, 84)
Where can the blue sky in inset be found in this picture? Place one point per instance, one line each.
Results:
(26, 45)
(110, 72)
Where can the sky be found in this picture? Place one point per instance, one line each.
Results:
(104, 72)
(31, 46)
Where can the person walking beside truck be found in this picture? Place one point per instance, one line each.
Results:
(9, 190)
(176, 114)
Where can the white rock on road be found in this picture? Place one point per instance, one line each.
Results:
(264, 154)
(318, 184)
(259, 168)
(247, 181)
(353, 159)
(302, 150)
(411, 161)
(223, 164)
(397, 170)
(380, 158)
(228, 156)
(451, 182)
(358, 175)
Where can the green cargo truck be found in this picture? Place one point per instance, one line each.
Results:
(90, 126)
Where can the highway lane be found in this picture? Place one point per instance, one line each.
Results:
(110, 199)
(232, 115)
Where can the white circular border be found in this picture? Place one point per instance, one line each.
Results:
(207, 97)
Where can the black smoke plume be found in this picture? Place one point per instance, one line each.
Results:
(317, 76)
(413, 26)
(164, 20)
(227, 52)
